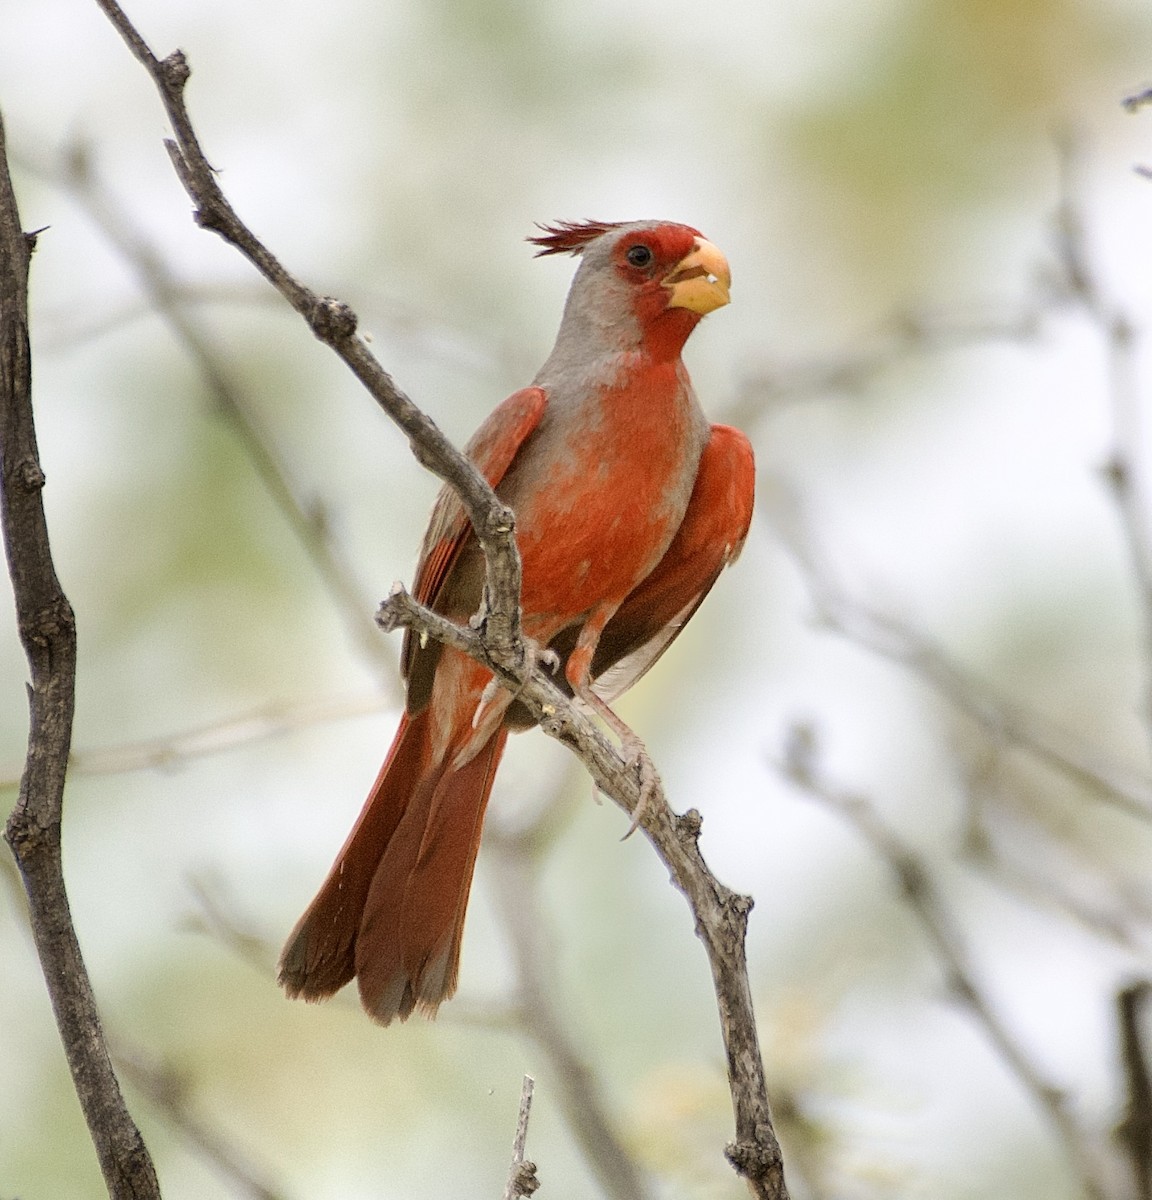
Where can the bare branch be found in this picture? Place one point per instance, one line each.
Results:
(800, 764)
(1137, 100)
(522, 1179)
(1006, 722)
(720, 915)
(48, 632)
(334, 323)
(212, 737)
(1003, 840)
(776, 385)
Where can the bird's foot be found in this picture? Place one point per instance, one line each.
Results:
(636, 755)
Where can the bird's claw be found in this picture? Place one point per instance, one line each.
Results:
(636, 755)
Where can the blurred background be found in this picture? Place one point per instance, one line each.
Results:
(931, 664)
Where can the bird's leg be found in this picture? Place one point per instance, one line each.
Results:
(579, 674)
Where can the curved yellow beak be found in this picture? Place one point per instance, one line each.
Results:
(700, 281)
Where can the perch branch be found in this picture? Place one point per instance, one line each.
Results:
(48, 632)
(334, 323)
(720, 915)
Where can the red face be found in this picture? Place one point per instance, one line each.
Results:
(645, 259)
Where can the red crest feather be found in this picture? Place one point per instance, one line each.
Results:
(570, 237)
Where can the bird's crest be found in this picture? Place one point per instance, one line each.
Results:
(570, 237)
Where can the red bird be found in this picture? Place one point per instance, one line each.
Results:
(628, 505)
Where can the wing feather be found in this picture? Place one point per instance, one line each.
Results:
(710, 537)
(492, 449)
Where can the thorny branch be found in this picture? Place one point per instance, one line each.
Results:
(720, 914)
(48, 631)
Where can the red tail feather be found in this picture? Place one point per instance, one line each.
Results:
(392, 908)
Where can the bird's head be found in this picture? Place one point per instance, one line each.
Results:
(643, 283)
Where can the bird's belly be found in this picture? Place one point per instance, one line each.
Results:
(589, 541)
(601, 490)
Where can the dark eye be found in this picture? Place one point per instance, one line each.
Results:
(639, 256)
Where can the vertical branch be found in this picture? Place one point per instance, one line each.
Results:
(48, 632)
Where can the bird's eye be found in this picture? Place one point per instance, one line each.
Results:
(639, 256)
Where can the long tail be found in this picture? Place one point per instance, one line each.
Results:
(391, 911)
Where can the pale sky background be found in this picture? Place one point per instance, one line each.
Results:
(860, 163)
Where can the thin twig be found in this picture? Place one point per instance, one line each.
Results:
(720, 915)
(800, 764)
(63, 330)
(1001, 839)
(1137, 100)
(515, 858)
(335, 324)
(522, 1179)
(48, 632)
(776, 385)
